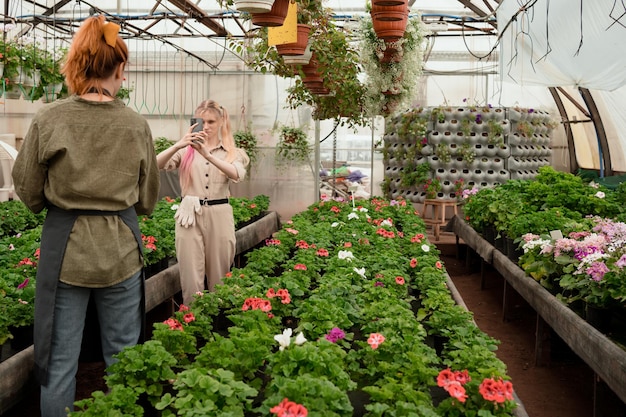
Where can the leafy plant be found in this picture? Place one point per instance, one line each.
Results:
(162, 143)
(525, 128)
(247, 141)
(442, 151)
(293, 146)
(466, 151)
(207, 392)
(415, 174)
(495, 132)
(124, 92)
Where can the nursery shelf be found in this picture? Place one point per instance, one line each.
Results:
(603, 356)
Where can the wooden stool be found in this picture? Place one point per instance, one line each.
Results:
(438, 218)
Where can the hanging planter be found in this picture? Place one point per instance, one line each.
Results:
(387, 2)
(254, 6)
(51, 92)
(298, 47)
(311, 71)
(275, 17)
(303, 59)
(390, 21)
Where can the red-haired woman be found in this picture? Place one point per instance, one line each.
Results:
(207, 163)
(90, 161)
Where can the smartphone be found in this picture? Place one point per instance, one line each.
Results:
(200, 122)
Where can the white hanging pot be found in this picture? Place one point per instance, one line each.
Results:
(299, 59)
(254, 6)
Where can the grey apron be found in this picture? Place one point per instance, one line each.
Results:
(55, 234)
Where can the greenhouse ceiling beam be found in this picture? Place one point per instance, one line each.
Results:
(194, 11)
(603, 143)
(571, 146)
(480, 12)
(47, 12)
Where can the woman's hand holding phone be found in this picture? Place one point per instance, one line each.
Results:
(197, 124)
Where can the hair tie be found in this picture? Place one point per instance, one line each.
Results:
(110, 31)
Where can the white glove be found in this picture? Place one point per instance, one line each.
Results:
(186, 213)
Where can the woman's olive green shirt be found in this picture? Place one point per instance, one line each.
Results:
(88, 155)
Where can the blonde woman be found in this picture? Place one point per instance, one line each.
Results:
(207, 161)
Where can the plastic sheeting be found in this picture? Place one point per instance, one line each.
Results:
(563, 43)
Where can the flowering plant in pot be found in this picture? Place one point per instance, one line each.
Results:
(432, 187)
(399, 78)
(374, 259)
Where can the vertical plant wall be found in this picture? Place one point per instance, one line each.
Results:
(438, 152)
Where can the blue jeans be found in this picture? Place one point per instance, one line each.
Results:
(120, 316)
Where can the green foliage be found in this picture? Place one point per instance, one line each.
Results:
(146, 368)
(120, 401)
(414, 174)
(205, 392)
(322, 397)
(293, 146)
(162, 143)
(321, 359)
(247, 141)
(16, 217)
(245, 209)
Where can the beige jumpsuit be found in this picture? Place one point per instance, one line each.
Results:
(207, 247)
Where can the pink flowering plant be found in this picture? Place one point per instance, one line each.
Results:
(586, 265)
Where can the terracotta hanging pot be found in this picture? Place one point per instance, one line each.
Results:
(390, 21)
(311, 72)
(316, 87)
(298, 47)
(275, 17)
(387, 2)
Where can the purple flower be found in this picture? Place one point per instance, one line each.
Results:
(335, 334)
(23, 284)
(379, 284)
(621, 262)
(479, 118)
(597, 271)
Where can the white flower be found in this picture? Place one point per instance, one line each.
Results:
(345, 254)
(353, 216)
(335, 224)
(174, 207)
(594, 184)
(284, 339)
(300, 339)
(360, 271)
(426, 248)
(386, 222)
(600, 194)
(362, 209)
